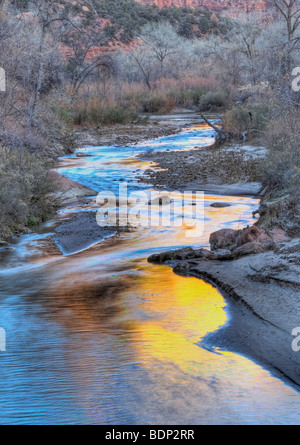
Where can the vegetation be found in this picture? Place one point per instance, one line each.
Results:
(26, 191)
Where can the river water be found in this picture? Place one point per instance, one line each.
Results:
(101, 336)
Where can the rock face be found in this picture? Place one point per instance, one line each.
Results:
(214, 5)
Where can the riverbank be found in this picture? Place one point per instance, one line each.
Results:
(147, 128)
(209, 169)
(260, 283)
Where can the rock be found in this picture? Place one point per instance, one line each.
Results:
(223, 254)
(223, 239)
(204, 253)
(249, 249)
(3, 243)
(220, 204)
(254, 234)
(252, 237)
(279, 236)
(80, 154)
(181, 254)
(160, 200)
(69, 190)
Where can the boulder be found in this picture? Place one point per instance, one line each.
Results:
(254, 234)
(223, 254)
(249, 249)
(223, 239)
(180, 254)
(204, 253)
(279, 236)
(219, 205)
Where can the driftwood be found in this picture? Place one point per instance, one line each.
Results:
(224, 136)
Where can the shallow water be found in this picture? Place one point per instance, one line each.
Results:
(103, 337)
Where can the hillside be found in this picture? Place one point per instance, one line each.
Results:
(214, 5)
(122, 20)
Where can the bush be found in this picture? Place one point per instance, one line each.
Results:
(281, 175)
(157, 103)
(213, 100)
(187, 98)
(240, 118)
(26, 192)
(93, 111)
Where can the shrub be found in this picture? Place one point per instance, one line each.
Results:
(252, 119)
(213, 100)
(26, 192)
(157, 103)
(281, 174)
(94, 111)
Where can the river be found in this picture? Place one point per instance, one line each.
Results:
(100, 336)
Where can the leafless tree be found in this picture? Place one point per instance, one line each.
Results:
(289, 12)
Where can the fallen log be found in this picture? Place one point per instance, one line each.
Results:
(223, 136)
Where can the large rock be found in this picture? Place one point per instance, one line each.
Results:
(279, 236)
(249, 249)
(181, 254)
(220, 205)
(223, 239)
(254, 234)
(68, 190)
(232, 239)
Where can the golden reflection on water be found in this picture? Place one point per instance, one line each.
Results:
(180, 312)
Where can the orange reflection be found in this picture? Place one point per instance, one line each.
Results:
(180, 312)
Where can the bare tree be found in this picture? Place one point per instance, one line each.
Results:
(160, 52)
(89, 53)
(46, 12)
(289, 11)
